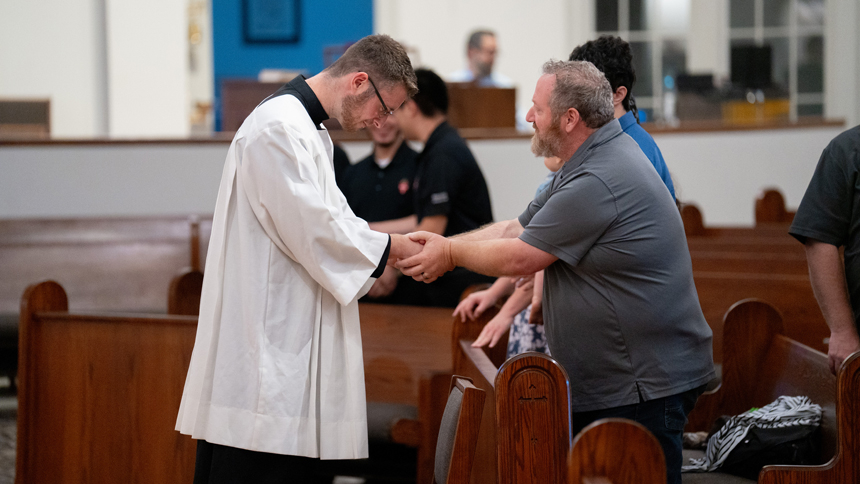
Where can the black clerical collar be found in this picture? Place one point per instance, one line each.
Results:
(299, 88)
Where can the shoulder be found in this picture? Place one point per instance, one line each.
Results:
(462, 75)
(501, 80)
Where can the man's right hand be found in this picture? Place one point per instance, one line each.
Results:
(842, 345)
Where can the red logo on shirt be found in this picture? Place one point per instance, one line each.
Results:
(403, 186)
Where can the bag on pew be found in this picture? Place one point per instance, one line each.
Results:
(782, 432)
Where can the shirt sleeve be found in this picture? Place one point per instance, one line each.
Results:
(438, 186)
(281, 178)
(824, 213)
(571, 219)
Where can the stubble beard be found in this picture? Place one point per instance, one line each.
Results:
(349, 109)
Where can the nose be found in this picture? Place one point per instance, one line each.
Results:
(530, 116)
(379, 122)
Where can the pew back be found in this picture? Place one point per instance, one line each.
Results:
(99, 393)
(760, 364)
(618, 450)
(122, 264)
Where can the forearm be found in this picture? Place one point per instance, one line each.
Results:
(519, 300)
(397, 226)
(827, 275)
(508, 229)
(500, 257)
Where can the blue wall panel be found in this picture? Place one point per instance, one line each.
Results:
(323, 23)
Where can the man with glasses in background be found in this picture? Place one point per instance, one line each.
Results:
(276, 380)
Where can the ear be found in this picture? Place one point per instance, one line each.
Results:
(619, 95)
(356, 80)
(569, 120)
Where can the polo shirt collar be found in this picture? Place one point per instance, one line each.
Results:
(606, 133)
(299, 88)
(627, 120)
(436, 135)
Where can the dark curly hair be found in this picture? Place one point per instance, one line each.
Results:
(613, 57)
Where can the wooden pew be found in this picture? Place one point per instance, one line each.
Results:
(407, 367)
(407, 363)
(803, 321)
(525, 428)
(99, 394)
(760, 364)
(618, 451)
(770, 209)
(121, 264)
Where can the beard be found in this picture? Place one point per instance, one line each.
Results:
(349, 109)
(548, 142)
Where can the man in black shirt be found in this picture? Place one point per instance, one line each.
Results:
(379, 188)
(450, 192)
(829, 218)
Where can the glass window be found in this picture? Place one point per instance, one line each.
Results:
(742, 13)
(639, 14)
(779, 61)
(810, 110)
(777, 13)
(642, 52)
(810, 13)
(674, 60)
(810, 64)
(607, 15)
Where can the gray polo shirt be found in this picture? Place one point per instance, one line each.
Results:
(621, 311)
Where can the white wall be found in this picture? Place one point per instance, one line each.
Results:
(528, 33)
(55, 49)
(722, 172)
(147, 68)
(110, 67)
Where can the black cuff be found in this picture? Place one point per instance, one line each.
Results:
(379, 270)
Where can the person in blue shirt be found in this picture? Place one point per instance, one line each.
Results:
(613, 57)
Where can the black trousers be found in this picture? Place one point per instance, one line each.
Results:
(219, 464)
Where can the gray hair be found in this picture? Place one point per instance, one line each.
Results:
(581, 86)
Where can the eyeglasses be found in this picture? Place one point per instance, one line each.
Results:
(386, 111)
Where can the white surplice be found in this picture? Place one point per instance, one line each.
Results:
(277, 363)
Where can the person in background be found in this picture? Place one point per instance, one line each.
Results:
(612, 55)
(829, 218)
(481, 51)
(450, 193)
(379, 188)
(521, 314)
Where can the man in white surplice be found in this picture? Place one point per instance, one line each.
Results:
(277, 364)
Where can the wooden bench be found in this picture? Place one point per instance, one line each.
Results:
(760, 363)
(791, 293)
(618, 451)
(108, 377)
(121, 264)
(525, 429)
(407, 366)
(99, 394)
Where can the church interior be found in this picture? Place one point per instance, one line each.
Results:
(115, 121)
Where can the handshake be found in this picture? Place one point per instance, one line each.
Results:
(423, 256)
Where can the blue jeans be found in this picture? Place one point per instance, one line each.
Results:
(664, 417)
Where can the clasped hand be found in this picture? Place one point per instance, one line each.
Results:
(433, 260)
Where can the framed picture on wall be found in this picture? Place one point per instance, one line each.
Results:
(271, 21)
